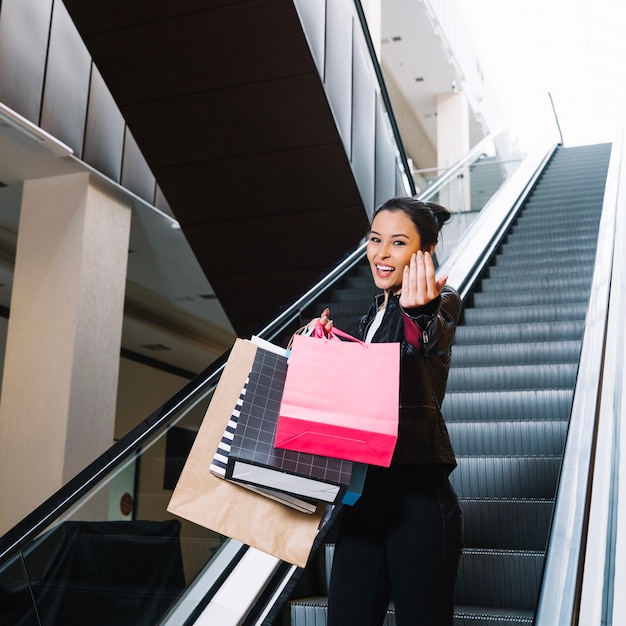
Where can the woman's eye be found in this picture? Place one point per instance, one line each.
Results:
(374, 239)
(398, 243)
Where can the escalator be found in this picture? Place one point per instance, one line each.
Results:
(514, 367)
(508, 402)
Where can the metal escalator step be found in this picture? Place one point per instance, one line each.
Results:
(361, 282)
(489, 616)
(547, 404)
(504, 271)
(499, 578)
(354, 295)
(506, 476)
(508, 438)
(535, 298)
(535, 230)
(536, 331)
(555, 220)
(516, 353)
(525, 314)
(353, 309)
(312, 612)
(534, 258)
(541, 376)
(573, 280)
(514, 524)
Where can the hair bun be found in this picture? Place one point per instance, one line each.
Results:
(442, 215)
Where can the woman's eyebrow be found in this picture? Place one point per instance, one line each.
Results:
(373, 232)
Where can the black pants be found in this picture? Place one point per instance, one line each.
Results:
(402, 540)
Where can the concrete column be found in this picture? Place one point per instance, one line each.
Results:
(58, 402)
(453, 143)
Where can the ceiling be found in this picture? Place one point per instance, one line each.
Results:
(251, 185)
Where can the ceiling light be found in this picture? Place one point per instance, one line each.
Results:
(155, 347)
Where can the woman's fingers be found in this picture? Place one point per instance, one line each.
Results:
(419, 281)
(323, 319)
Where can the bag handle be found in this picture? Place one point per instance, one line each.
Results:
(334, 334)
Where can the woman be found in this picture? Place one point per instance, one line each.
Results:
(402, 539)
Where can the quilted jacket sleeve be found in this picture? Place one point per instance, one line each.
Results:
(431, 328)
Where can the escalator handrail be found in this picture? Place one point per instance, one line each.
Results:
(564, 562)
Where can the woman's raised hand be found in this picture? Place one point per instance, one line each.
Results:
(419, 282)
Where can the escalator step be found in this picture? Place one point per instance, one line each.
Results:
(535, 298)
(506, 477)
(521, 524)
(528, 314)
(513, 270)
(516, 353)
(537, 331)
(545, 404)
(508, 438)
(499, 578)
(508, 377)
(570, 259)
(572, 280)
(312, 612)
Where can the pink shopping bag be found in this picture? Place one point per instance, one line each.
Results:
(341, 399)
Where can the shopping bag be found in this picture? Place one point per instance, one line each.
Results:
(225, 507)
(341, 399)
(246, 453)
(254, 460)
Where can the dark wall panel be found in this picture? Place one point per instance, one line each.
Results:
(136, 174)
(64, 107)
(104, 134)
(363, 124)
(338, 68)
(307, 179)
(385, 159)
(24, 27)
(201, 52)
(248, 119)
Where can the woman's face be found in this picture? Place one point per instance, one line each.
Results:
(393, 239)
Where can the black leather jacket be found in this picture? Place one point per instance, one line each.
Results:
(425, 335)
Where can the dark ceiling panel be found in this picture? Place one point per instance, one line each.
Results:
(310, 179)
(224, 101)
(189, 53)
(97, 17)
(252, 119)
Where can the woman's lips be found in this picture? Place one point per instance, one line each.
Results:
(384, 270)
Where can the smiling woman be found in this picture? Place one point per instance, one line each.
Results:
(403, 536)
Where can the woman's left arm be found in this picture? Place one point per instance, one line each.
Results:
(430, 309)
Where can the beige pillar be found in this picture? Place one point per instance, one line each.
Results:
(453, 143)
(59, 388)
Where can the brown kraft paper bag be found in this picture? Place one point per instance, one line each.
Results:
(227, 508)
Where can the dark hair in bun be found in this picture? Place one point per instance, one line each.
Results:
(428, 217)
